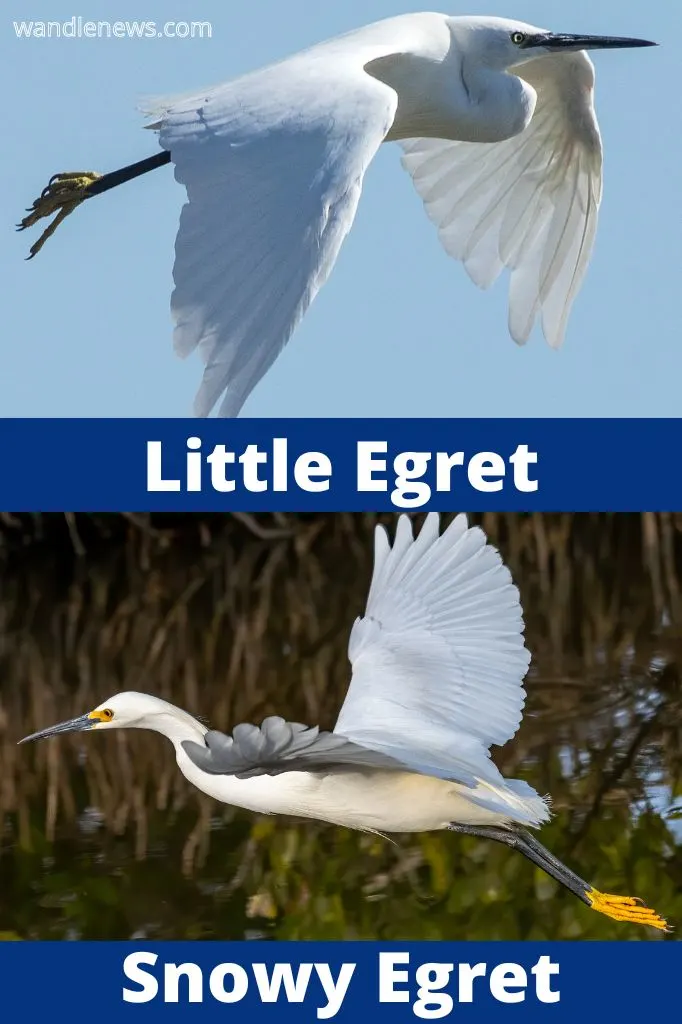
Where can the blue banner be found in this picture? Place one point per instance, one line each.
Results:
(340, 981)
(340, 465)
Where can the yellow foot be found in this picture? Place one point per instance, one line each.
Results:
(626, 908)
(62, 194)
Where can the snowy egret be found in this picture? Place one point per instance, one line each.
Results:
(273, 164)
(438, 663)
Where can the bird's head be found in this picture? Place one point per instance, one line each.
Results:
(502, 43)
(129, 710)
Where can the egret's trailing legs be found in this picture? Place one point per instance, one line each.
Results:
(620, 908)
(65, 191)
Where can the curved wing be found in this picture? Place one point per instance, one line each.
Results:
(279, 746)
(439, 658)
(530, 203)
(273, 166)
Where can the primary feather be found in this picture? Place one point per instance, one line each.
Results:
(439, 657)
(529, 203)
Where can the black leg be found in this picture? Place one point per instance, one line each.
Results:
(519, 839)
(620, 908)
(124, 174)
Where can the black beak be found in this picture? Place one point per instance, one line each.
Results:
(79, 724)
(564, 41)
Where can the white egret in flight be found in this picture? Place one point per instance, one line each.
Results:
(438, 662)
(498, 130)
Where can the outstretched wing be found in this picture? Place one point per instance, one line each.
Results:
(273, 166)
(439, 658)
(279, 746)
(530, 203)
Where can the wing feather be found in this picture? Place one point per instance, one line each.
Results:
(530, 203)
(439, 656)
(438, 665)
(273, 165)
(278, 746)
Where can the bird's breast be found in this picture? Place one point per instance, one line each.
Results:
(380, 801)
(290, 793)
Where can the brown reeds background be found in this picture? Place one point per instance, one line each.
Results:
(237, 616)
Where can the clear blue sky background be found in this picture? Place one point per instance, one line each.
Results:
(399, 330)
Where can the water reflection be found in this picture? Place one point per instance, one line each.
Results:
(233, 619)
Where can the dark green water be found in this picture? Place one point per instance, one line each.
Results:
(102, 838)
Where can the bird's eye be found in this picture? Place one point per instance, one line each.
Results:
(107, 714)
(518, 38)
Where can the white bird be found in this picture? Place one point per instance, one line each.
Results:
(438, 662)
(498, 129)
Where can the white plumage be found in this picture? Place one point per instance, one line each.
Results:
(438, 664)
(273, 165)
(496, 119)
(439, 658)
(274, 162)
(530, 203)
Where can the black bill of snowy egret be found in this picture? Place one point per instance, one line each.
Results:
(80, 724)
(497, 125)
(438, 663)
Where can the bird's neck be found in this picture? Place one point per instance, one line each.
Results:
(176, 725)
(456, 98)
(500, 104)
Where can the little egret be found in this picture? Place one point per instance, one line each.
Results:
(497, 124)
(438, 663)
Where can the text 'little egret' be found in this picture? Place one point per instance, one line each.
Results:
(498, 130)
(438, 663)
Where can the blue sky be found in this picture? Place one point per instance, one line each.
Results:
(399, 330)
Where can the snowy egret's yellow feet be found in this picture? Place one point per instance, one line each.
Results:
(62, 194)
(625, 908)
